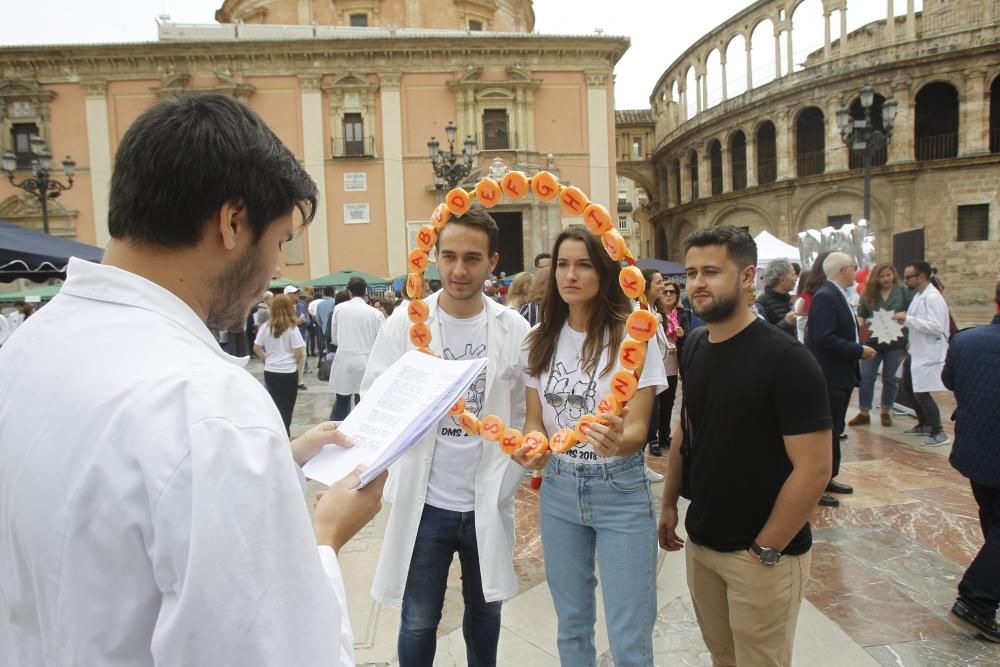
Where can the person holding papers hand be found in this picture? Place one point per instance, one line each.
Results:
(151, 510)
(451, 491)
(595, 497)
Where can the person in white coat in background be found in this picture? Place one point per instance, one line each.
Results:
(151, 508)
(452, 492)
(928, 325)
(354, 326)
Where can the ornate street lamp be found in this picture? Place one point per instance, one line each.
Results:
(861, 135)
(447, 168)
(42, 185)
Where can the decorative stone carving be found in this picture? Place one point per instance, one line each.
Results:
(227, 84)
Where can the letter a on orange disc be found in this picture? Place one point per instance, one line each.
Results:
(563, 441)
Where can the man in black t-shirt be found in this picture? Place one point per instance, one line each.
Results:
(757, 456)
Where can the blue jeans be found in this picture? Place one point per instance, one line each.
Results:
(890, 361)
(441, 533)
(605, 509)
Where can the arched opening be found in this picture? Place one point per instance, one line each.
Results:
(675, 92)
(995, 116)
(690, 93)
(662, 247)
(936, 122)
(693, 168)
(738, 159)
(856, 159)
(715, 157)
(810, 142)
(762, 53)
(767, 154)
(713, 78)
(807, 31)
(736, 67)
(675, 180)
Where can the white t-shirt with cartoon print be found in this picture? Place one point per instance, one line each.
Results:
(451, 484)
(568, 392)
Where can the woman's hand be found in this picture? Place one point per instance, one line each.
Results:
(309, 443)
(607, 435)
(679, 332)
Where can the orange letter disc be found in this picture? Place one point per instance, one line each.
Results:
(614, 244)
(609, 405)
(440, 216)
(491, 428)
(426, 236)
(420, 335)
(573, 201)
(632, 282)
(632, 353)
(414, 285)
(458, 201)
(597, 219)
(417, 261)
(641, 325)
(488, 192)
(537, 442)
(545, 186)
(583, 426)
(623, 385)
(458, 408)
(511, 440)
(515, 184)
(426, 350)
(563, 441)
(469, 423)
(418, 311)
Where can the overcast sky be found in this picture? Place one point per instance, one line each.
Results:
(660, 30)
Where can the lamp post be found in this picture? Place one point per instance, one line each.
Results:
(42, 185)
(447, 168)
(861, 135)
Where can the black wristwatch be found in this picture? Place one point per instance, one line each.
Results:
(766, 555)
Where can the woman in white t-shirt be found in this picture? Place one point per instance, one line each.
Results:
(595, 498)
(280, 344)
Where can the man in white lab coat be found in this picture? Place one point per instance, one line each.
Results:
(353, 328)
(453, 492)
(151, 510)
(928, 325)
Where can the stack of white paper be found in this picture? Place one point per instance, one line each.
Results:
(403, 403)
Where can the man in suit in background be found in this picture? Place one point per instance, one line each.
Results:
(832, 337)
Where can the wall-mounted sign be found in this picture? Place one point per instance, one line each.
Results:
(355, 181)
(356, 214)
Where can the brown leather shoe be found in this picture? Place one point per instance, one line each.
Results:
(860, 419)
(886, 419)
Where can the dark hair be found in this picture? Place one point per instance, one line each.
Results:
(540, 256)
(342, 296)
(803, 279)
(647, 275)
(797, 267)
(434, 284)
(476, 218)
(606, 326)
(739, 244)
(817, 276)
(923, 268)
(185, 157)
(329, 291)
(388, 304)
(357, 286)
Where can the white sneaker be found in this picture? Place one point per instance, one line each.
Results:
(652, 475)
(939, 439)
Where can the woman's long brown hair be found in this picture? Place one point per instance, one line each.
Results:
(871, 291)
(282, 315)
(608, 311)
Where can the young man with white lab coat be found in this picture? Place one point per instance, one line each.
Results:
(453, 492)
(354, 326)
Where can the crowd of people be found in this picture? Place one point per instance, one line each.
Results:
(151, 507)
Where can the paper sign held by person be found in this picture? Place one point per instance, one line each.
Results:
(401, 406)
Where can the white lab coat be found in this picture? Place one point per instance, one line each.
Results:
(927, 321)
(497, 477)
(353, 329)
(150, 509)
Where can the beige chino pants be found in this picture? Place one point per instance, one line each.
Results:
(746, 611)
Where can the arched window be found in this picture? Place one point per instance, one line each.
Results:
(767, 154)
(807, 31)
(675, 174)
(738, 159)
(995, 116)
(715, 156)
(736, 67)
(713, 78)
(936, 122)
(857, 158)
(693, 167)
(762, 52)
(691, 93)
(810, 142)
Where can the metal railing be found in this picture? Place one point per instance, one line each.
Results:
(995, 139)
(739, 175)
(767, 170)
(937, 147)
(856, 158)
(810, 164)
(503, 141)
(356, 148)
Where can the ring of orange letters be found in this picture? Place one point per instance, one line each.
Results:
(640, 327)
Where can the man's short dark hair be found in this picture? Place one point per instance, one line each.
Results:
(329, 291)
(434, 284)
(477, 218)
(922, 268)
(183, 158)
(738, 243)
(357, 286)
(540, 256)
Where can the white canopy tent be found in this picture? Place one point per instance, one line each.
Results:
(771, 247)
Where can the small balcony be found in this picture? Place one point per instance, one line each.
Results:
(937, 147)
(345, 148)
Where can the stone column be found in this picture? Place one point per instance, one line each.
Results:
(974, 120)
(725, 96)
(827, 45)
(313, 160)
(529, 140)
(598, 138)
(699, 98)
(392, 171)
(837, 158)
(99, 155)
(704, 173)
(727, 170)
(751, 161)
(685, 194)
(890, 21)
(777, 54)
(784, 145)
(746, 41)
(791, 56)
(843, 32)
(901, 149)
(911, 21)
